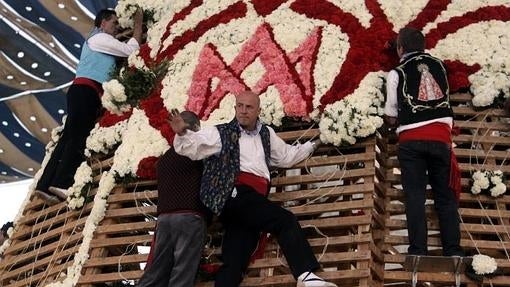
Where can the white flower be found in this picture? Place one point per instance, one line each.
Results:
(139, 140)
(356, 116)
(114, 97)
(104, 139)
(498, 189)
(483, 264)
(490, 182)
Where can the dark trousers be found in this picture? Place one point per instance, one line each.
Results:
(83, 108)
(423, 162)
(179, 242)
(245, 216)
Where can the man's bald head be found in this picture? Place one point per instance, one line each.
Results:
(247, 109)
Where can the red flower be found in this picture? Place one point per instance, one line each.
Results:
(147, 168)
(210, 268)
(458, 74)
(108, 119)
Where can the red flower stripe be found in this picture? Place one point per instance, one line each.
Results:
(180, 16)
(324, 10)
(266, 7)
(108, 119)
(210, 65)
(234, 11)
(500, 13)
(458, 74)
(429, 13)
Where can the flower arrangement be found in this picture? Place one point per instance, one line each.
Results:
(77, 194)
(482, 266)
(130, 86)
(105, 139)
(357, 116)
(308, 59)
(489, 182)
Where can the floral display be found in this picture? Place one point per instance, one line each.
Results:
(483, 264)
(77, 193)
(132, 84)
(103, 139)
(307, 59)
(489, 182)
(357, 116)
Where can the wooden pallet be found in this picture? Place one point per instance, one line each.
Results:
(341, 213)
(485, 223)
(350, 196)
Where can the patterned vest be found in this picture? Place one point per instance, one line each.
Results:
(221, 170)
(422, 92)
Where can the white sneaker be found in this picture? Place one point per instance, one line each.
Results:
(311, 280)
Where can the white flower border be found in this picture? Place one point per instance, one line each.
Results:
(104, 139)
(357, 115)
(82, 177)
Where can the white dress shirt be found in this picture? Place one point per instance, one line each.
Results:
(106, 43)
(206, 142)
(391, 106)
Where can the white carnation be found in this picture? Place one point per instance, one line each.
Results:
(483, 264)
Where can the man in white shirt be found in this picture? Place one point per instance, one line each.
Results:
(235, 183)
(97, 61)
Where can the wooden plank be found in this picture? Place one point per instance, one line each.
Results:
(495, 126)
(43, 250)
(486, 139)
(121, 241)
(334, 160)
(470, 227)
(131, 212)
(468, 111)
(364, 188)
(330, 257)
(312, 178)
(337, 222)
(465, 243)
(440, 278)
(41, 263)
(48, 235)
(126, 227)
(328, 207)
(115, 260)
(132, 196)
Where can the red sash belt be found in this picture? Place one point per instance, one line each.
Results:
(258, 183)
(90, 83)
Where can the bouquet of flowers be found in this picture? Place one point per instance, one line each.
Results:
(482, 266)
(489, 182)
(131, 85)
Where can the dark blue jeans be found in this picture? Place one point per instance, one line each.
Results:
(423, 162)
